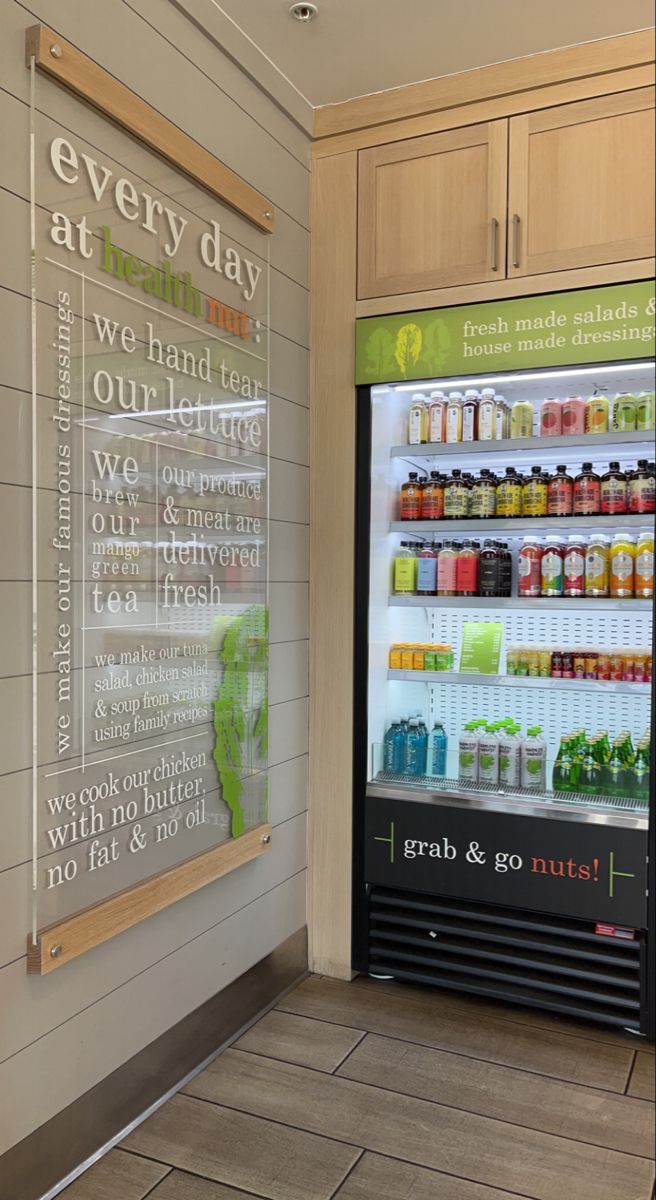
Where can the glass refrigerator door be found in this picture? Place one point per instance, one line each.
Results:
(537, 702)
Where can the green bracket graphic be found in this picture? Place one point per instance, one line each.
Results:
(389, 840)
(612, 874)
(241, 711)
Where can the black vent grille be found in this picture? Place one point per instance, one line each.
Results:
(554, 963)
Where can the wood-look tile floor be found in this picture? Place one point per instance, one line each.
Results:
(375, 1091)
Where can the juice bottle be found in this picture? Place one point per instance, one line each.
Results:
(556, 664)
(417, 421)
(487, 416)
(501, 418)
(597, 566)
(405, 570)
(622, 565)
(574, 566)
(469, 481)
(535, 494)
(625, 412)
(437, 417)
(613, 490)
(587, 492)
(616, 667)
(574, 415)
(533, 659)
(489, 569)
(467, 569)
(410, 506)
(509, 494)
(545, 664)
(529, 567)
(579, 664)
(597, 410)
(505, 569)
(644, 565)
(591, 658)
(551, 566)
(427, 570)
(484, 495)
(447, 561)
(603, 665)
(454, 417)
(470, 415)
(456, 496)
(551, 418)
(646, 412)
(568, 665)
(560, 493)
(511, 660)
(642, 491)
(521, 419)
(432, 498)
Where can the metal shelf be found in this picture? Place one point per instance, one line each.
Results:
(570, 604)
(582, 443)
(488, 526)
(640, 690)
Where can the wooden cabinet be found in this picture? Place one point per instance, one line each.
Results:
(581, 184)
(432, 211)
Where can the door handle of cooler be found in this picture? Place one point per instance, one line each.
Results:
(515, 239)
(494, 243)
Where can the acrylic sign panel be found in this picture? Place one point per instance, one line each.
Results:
(150, 513)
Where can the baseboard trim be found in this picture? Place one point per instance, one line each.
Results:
(43, 1164)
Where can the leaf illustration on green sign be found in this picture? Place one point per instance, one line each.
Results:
(241, 708)
(409, 341)
(380, 353)
(437, 343)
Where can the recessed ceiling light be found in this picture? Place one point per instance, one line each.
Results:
(304, 12)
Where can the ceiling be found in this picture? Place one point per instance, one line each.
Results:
(354, 47)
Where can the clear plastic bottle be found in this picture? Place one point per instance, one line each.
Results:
(510, 754)
(470, 415)
(487, 416)
(437, 417)
(488, 756)
(394, 748)
(417, 421)
(454, 417)
(439, 742)
(416, 748)
(468, 753)
(534, 759)
(521, 419)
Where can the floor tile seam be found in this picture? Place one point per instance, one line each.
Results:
(524, 1024)
(353, 1146)
(421, 1099)
(189, 1171)
(346, 1178)
(463, 1054)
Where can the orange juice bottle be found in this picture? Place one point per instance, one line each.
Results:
(644, 565)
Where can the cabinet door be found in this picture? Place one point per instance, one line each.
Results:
(432, 211)
(582, 184)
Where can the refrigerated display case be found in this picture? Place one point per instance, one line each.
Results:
(527, 881)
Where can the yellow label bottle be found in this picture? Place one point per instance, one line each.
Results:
(644, 565)
(622, 565)
(521, 419)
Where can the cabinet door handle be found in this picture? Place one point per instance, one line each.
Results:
(494, 239)
(515, 241)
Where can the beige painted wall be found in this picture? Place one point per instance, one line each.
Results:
(61, 1034)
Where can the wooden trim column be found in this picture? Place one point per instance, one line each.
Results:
(332, 515)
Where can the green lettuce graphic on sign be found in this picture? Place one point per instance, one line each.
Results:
(409, 341)
(380, 353)
(241, 713)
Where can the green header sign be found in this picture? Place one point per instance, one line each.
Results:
(557, 329)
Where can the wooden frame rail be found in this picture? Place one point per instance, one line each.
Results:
(63, 62)
(66, 939)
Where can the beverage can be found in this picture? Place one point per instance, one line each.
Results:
(574, 415)
(579, 665)
(597, 410)
(591, 664)
(556, 664)
(646, 410)
(628, 667)
(551, 418)
(568, 664)
(625, 412)
(533, 660)
(511, 660)
(603, 666)
(639, 664)
(616, 667)
(521, 419)
(545, 657)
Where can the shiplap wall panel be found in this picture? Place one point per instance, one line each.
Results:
(61, 1034)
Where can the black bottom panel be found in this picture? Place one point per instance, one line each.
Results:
(555, 963)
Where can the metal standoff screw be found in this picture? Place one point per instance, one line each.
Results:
(268, 214)
(266, 838)
(55, 951)
(56, 51)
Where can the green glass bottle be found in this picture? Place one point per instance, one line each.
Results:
(639, 776)
(561, 780)
(614, 777)
(589, 781)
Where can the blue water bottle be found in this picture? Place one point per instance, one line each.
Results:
(438, 749)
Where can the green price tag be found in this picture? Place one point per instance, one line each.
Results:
(481, 647)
